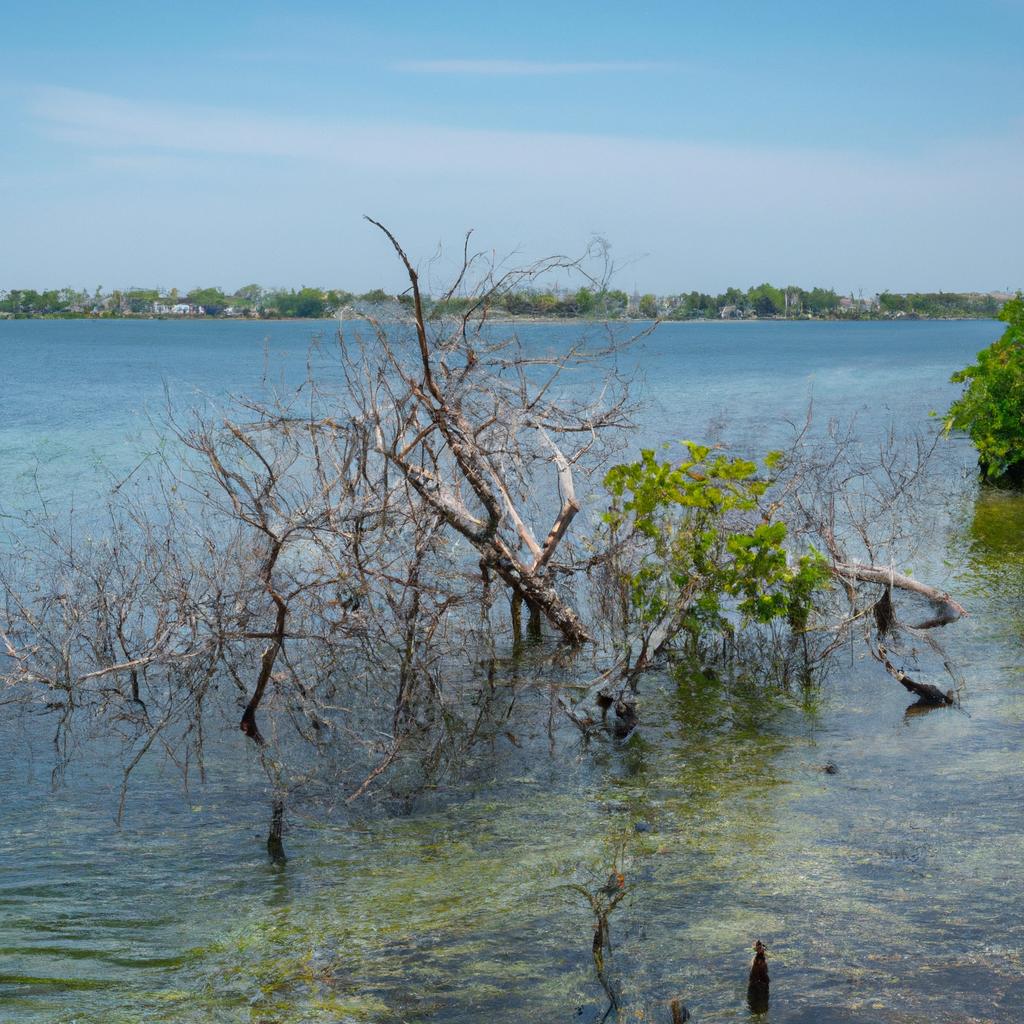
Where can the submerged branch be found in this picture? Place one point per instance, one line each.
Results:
(925, 692)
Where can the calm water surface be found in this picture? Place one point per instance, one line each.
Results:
(890, 891)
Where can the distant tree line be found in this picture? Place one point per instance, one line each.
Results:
(252, 300)
(941, 304)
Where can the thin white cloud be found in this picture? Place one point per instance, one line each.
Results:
(110, 124)
(527, 67)
(695, 172)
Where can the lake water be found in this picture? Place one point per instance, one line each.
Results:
(888, 892)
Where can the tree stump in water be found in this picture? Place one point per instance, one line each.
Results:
(757, 985)
(275, 839)
(680, 1014)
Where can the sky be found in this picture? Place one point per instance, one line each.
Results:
(860, 146)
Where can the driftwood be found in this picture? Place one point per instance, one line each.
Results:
(886, 621)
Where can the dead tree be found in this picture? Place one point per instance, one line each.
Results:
(868, 506)
(307, 562)
(477, 426)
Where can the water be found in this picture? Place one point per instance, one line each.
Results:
(889, 891)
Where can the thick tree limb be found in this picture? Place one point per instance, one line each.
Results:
(847, 571)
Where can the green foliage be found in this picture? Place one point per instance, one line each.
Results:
(890, 303)
(25, 302)
(820, 300)
(991, 408)
(766, 300)
(939, 304)
(139, 300)
(213, 300)
(613, 303)
(338, 297)
(306, 302)
(457, 305)
(250, 293)
(704, 552)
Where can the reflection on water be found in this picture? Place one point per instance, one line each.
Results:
(994, 550)
(996, 529)
(877, 857)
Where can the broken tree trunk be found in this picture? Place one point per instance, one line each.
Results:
(536, 590)
(275, 838)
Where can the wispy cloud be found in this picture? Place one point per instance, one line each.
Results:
(527, 67)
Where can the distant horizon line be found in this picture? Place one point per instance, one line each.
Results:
(1002, 294)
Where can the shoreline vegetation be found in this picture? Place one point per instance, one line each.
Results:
(253, 302)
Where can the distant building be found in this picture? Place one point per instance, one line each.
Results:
(188, 309)
(730, 313)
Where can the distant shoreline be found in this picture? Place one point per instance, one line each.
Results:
(206, 318)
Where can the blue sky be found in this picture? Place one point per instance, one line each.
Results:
(859, 146)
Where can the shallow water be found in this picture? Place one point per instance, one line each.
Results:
(888, 891)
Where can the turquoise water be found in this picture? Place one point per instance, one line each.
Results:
(76, 395)
(889, 891)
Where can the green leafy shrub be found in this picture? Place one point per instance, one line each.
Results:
(991, 409)
(706, 546)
